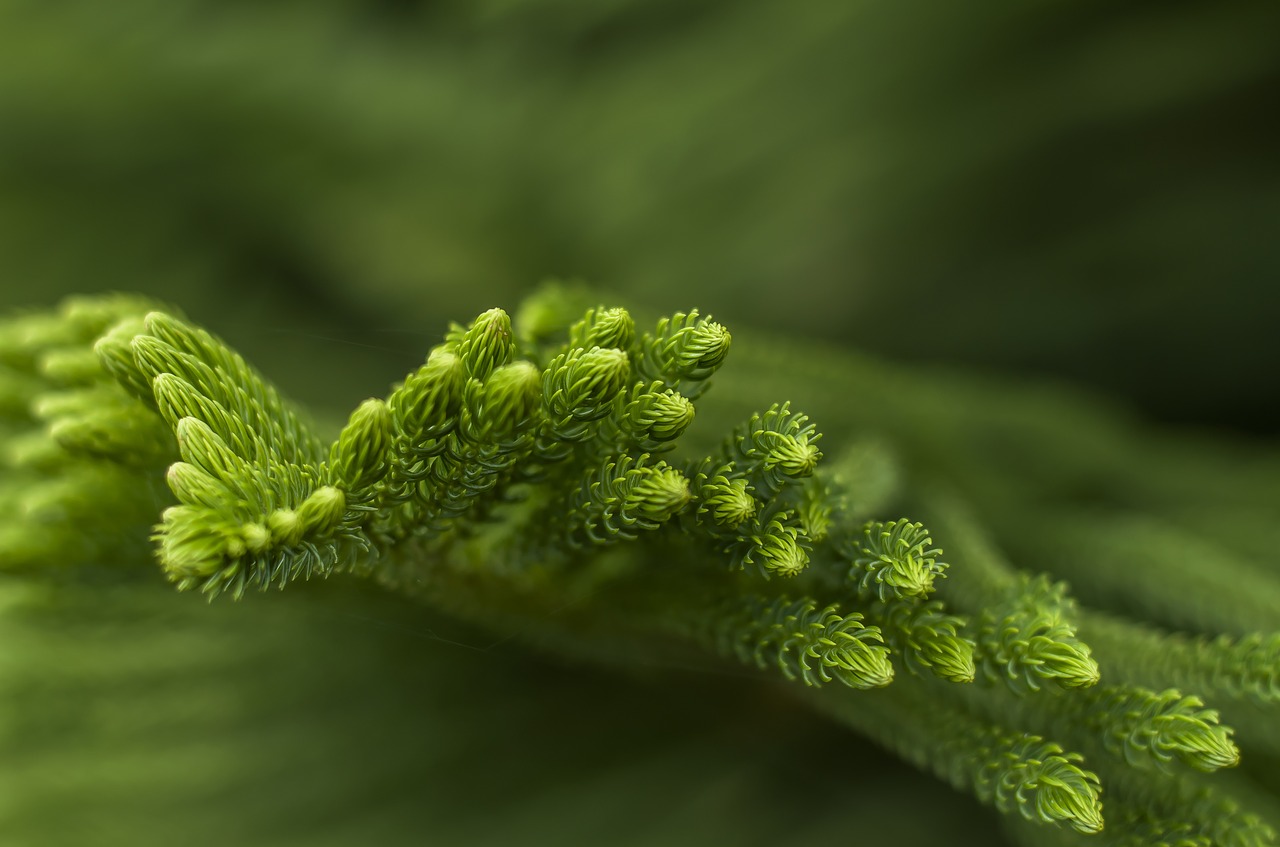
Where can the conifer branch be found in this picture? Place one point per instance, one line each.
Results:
(807, 643)
(494, 475)
(1017, 773)
(1143, 726)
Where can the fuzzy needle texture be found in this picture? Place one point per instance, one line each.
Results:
(545, 474)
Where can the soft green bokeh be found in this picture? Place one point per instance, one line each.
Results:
(1073, 188)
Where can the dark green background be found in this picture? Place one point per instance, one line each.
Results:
(1087, 190)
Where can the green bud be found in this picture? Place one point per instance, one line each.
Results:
(426, 405)
(777, 550)
(115, 351)
(200, 344)
(358, 459)
(728, 502)
(487, 345)
(538, 320)
(550, 310)
(684, 347)
(201, 446)
(793, 457)
(703, 347)
(505, 401)
(154, 357)
(177, 399)
(1139, 725)
(895, 559)
(601, 327)
(195, 487)
(1068, 794)
(1205, 748)
(807, 643)
(284, 526)
(927, 637)
(774, 449)
(322, 511)
(197, 542)
(219, 372)
(851, 659)
(1027, 641)
(256, 537)
(1068, 663)
(815, 512)
(658, 493)
(580, 386)
(949, 658)
(623, 496)
(656, 415)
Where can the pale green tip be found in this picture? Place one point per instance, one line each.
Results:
(669, 414)
(508, 399)
(604, 328)
(322, 511)
(358, 458)
(706, 347)
(660, 494)
(950, 658)
(778, 551)
(487, 344)
(728, 502)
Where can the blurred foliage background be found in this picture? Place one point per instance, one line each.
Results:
(1081, 189)
(1077, 191)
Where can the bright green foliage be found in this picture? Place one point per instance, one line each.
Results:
(626, 496)
(425, 405)
(1141, 725)
(549, 480)
(1027, 640)
(1018, 773)
(774, 450)
(895, 559)
(607, 328)
(579, 387)
(683, 351)
(1014, 770)
(724, 502)
(232, 382)
(650, 418)
(814, 645)
(485, 345)
(777, 548)
(926, 637)
(358, 459)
